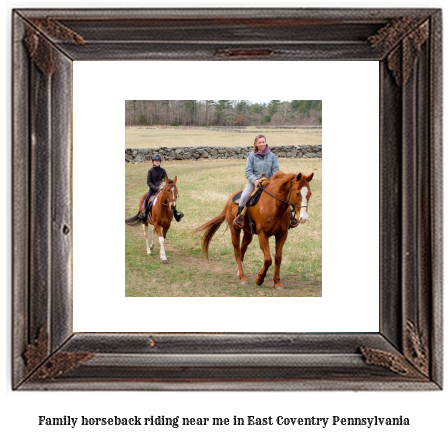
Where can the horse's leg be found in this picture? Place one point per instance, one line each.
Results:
(279, 242)
(264, 245)
(166, 227)
(158, 230)
(153, 234)
(148, 247)
(247, 238)
(237, 249)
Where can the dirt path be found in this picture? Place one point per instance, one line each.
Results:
(194, 276)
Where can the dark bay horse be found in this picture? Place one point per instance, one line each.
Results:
(162, 215)
(272, 217)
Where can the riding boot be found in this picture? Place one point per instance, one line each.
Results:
(178, 215)
(238, 222)
(143, 215)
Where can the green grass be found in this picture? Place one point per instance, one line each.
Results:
(204, 187)
(154, 138)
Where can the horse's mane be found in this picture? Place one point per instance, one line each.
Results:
(162, 184)
(278, 175)
(281, 177)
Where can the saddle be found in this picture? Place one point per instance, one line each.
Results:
(251, 201)
(254, 197)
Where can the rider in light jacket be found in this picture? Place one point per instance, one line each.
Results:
(261, 162)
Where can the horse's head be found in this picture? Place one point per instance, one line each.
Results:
(171, 192)
(300, 195)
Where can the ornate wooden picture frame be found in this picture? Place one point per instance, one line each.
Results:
(406, 353)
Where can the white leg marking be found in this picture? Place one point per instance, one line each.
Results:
(153, 234)
(162, 248)
(303, 211)
(148, 248)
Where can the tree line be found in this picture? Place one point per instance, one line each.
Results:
(222, 112)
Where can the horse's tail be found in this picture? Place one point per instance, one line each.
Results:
(208, 230)
(134, 221)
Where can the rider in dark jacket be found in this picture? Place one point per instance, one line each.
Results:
(155, 176)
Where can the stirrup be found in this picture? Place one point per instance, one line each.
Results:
(238, 222)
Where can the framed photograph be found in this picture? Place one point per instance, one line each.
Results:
(398, 271)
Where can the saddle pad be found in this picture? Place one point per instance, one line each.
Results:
(237, 197)
(151, 203)
(152, 200)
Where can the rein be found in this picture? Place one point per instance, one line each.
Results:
(288, 201)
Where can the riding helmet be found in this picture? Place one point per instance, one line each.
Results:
(156, 157)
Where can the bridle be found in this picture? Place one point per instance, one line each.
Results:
(288, 201)
(168, 187)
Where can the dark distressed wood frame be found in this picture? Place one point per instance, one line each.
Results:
(406, 354)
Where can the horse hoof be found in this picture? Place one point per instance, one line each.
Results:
(258, 283)
(165, 261)
(244, 282)
(280, 288)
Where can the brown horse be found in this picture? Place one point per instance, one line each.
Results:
(272, 217)
(162, 215)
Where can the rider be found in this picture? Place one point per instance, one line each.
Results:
(261, 162)
(155, 176)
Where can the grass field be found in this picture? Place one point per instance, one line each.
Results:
(154, 138)
(204, 187)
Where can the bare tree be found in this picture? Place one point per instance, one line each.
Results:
(220, 112)
(285, 111)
